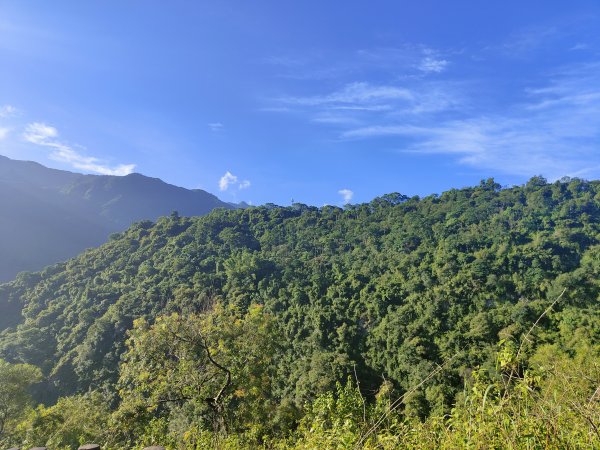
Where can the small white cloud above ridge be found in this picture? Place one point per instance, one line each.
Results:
(227, 180)
(346, 194)
(230, 179)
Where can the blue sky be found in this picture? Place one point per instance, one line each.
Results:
(320, 102)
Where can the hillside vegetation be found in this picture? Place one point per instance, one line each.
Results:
(468, 319)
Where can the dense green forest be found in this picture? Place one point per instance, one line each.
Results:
(468, 319)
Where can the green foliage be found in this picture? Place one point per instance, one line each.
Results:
(335, 420)
(211, 372)
(384, 293)
(15, 398)
(71, 422)
(554, 405)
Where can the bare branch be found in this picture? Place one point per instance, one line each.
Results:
(217, 398)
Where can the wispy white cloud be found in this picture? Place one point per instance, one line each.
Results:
(358, 93)
(230, 179)
(335, 118)
(8, 111)
(362, 103)
(216, 126)
(373, 108)
(382, 130)
(407, 89)
(524, 41)
(580, 46)
(554, 132)
(4, 133)
(275, 109)
(39, 133)
(550, 128)
(430, 64)
(346, 194)
(404, 60)
(571, 32)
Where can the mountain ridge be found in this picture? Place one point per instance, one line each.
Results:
(52, 215)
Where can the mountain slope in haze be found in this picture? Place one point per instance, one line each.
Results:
(51, 215)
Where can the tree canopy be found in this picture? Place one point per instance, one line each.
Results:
(294, 301)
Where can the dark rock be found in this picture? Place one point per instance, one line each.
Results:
(89, 447)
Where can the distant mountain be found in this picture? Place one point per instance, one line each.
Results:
(51, 215)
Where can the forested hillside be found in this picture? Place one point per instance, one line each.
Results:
(259, 324)
(52, 215)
